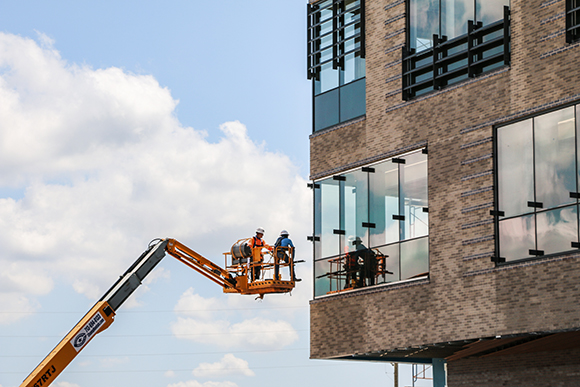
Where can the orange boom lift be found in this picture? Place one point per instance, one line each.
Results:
(235, 278)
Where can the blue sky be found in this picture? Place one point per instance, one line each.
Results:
(121, 122)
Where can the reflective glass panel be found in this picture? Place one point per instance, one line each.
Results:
(317, 220)
(414, 196)
(354, 68)
(326, 110)
(515, 168)
(353, 100)
(388, 261)
(384, 203)
(329, 217)
(352, 13)
(328, 79)
(489, 11)
(555, 157)
(454, 17)
(356, 209)
(424, 23)
(557, 229)
(517, 237)
(322, 281)
(578, 147)
(414, 258)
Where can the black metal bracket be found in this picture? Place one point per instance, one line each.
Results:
(498, 259)
(398, 160)
(368, 169)
(536, 204)
(496, 213)
(339, 178)
(398, 217)
(313, 238)
(339, 232)
(536, 252)
(369, 225)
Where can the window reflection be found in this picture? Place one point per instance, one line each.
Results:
(557, 229)
(515, 168)
(537, 172)
(555, 158)
(448, 18)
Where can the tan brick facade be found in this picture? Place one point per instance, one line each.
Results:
(466, 296)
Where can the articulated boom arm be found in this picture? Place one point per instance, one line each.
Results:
(233, 279)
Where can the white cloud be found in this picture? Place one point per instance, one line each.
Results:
(169, 374)
(228, 365)
(195, 383)
(105, 166)
(65, 384)
(257, 332)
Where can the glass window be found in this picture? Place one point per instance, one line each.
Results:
(415, 258)
(448, 18)
(384, 202)
(555, 157)
(353, 100)
(454, 17)
(325, 111)
(489, 11)
(515, 168)
(356, 210)
(358, 221)
(537, 193)
(329, 217)
(336, 61)
(413, 197)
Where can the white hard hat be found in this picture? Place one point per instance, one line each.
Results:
(260, 230)
(284, 232)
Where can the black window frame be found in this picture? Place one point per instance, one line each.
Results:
(444, 63)
(314, 63)
(496, 213)
(572, 21)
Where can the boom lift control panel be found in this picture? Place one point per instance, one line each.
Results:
(234, 278)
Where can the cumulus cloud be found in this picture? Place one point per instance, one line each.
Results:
(102, 165)
(256, 332)
(228, 365)
(195, 383)
(65, 384)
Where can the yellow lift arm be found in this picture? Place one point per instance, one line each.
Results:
(233, 279)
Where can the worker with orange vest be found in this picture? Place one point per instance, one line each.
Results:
(257, 257)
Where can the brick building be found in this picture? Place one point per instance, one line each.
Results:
(445, 166)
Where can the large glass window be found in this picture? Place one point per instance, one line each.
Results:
(336, 61)
(449, 41)
(538, 185)
(448, 19)
(371, 225)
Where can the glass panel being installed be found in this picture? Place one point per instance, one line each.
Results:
(515, 170)
(555, 157)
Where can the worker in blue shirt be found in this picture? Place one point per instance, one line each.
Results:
(286, 244)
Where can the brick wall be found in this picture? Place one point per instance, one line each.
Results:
(541, 369)
(466, 296)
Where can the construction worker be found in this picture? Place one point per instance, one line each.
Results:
(284, 243)
(257, 257)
